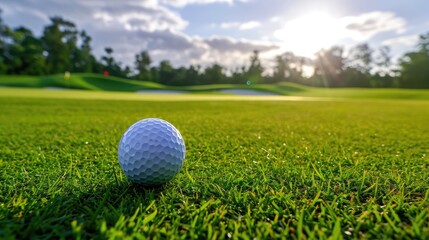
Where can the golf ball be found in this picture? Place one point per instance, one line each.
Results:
(151, 152)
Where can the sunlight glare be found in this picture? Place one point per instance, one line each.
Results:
(307, 34)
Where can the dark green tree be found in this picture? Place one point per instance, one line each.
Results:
(414, 66)
(3, 45)
(110, 64)
(142, 66)
(59, 42)
(214, 74)
(238, 76)
(281, 70)
(179, 77)
(193, 76)
(83, 60)
(25, 53)
(255, 70)
(166, 73)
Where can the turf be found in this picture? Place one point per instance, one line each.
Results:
(254, 169)
(99, 83)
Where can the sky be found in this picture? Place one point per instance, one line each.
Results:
(227, 31)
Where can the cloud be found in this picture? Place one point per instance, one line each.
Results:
(180, 49)
(367, 25)
(182, 3)
(131, 26)
(133, 17)
(249, 25)
(225, 44)
(240, 25)
(410, 40)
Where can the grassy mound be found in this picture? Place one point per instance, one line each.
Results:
(102, 83)
(79, 81)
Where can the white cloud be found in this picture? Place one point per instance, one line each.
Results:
(275, 19)
(227, 25)
(130, 26)
(182, 3)
(249, 25)
(103, 16)
(367, 25)
(410, 40)
(240, 25)
(134, 17)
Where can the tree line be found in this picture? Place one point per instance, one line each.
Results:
(64, 48)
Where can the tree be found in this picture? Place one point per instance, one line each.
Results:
(384, 61)
(110, 64)
(329, 66)
(214, 74)
(289, 67)
(59, 41)
(281, 70)
(166, 72)
(179, 77)
(360, 58)
(3, 32)
(358, 66)
(254, 73)
(83, 58)
(142, 65)
(414, 70)
(383, 74)
(238, 76)
(25, 53)
(193, 75)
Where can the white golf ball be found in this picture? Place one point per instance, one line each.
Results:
(151, 152)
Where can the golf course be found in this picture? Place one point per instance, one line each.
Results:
(214, 119)
(308, 163)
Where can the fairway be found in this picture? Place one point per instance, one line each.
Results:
(253, 169)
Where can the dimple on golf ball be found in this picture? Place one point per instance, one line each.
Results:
(151, 152)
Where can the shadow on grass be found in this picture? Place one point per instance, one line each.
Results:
(71, 214)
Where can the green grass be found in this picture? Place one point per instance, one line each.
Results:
(85, 81)
(254, 169)
(100, 83)
(97, 82)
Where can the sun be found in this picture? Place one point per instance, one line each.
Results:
(309, 33)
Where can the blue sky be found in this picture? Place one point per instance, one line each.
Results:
(226, 31)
